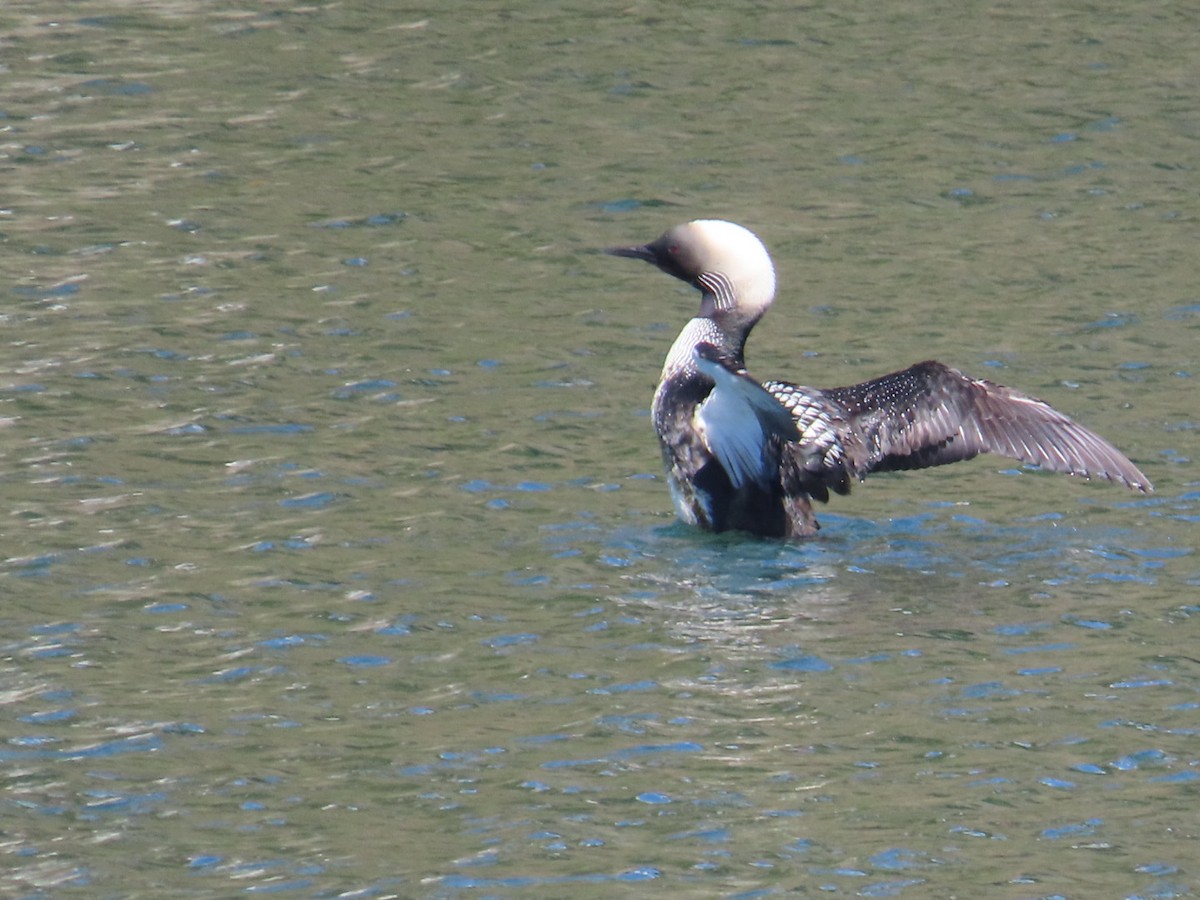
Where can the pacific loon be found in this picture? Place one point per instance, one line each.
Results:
(751, 456)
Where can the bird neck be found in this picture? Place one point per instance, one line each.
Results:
(703, 329)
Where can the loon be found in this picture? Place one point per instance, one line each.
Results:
(752, 456)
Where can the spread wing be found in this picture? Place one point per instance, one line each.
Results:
(829, 454)
(930, 414)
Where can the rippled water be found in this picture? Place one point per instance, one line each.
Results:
(336, 557)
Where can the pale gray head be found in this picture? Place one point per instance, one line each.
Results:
(727, 263)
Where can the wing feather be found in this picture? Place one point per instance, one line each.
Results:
(741, 423)
(931, 414)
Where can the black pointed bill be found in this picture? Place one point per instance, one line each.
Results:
(642, 251)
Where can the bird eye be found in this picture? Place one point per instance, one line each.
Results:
(673, 249)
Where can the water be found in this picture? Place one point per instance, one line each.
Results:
(336, 557)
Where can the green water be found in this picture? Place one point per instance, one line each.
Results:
(336, 557)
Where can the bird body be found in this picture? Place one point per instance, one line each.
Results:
(751, 456)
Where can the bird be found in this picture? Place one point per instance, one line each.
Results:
(751, 456)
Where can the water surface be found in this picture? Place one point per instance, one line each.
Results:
(336, 557)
